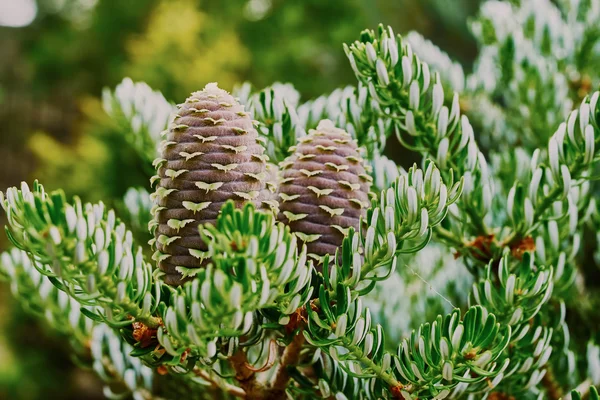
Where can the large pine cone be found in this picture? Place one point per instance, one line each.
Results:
(211, 154)
(324, 189)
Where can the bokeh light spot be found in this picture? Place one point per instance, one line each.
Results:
(17, 13)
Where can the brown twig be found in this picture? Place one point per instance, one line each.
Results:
(553, 389)
(245, 375)
(290, 357)
(231, 389)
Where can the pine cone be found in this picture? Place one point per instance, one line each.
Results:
(324, 189)
(211, 154)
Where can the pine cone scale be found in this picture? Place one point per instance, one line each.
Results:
(205, 161)
(310, 227)
(173, 276)
(332, 165)
(322, 185)
(183, 248)
(189, 230)
(174, 155)
(333, 176)
(332, 199)
(318, 248)
(319, 216)
(189, 185)
(199, 110)
(342, 187)
(221, 196)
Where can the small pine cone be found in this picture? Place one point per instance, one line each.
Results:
(211, 154)
(324, 189)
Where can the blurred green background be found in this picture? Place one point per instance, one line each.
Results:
(57, 55)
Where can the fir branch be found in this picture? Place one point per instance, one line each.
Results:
(553, 206)
(361, 356)
(448, 350)
(583, 391)
(343, 330)
(414, 99)
(572, 151)
(521, 68)
(137, 207)
(472, 345)
(556, 202)
(86, 252)
(335, 382)
(115, 366)
(38, 296)
(93, 344)
(384, 172)
(515, 292)
(256, 281)
(425, 284)
(400, 227)
(141, 113)
(401, 221)
(451, 72)
(254, 265)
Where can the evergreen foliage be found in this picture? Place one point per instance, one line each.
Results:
(248, 297)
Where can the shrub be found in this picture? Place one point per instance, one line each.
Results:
(288, 247)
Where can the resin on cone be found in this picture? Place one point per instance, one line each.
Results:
(324, 189)
(211, 153)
